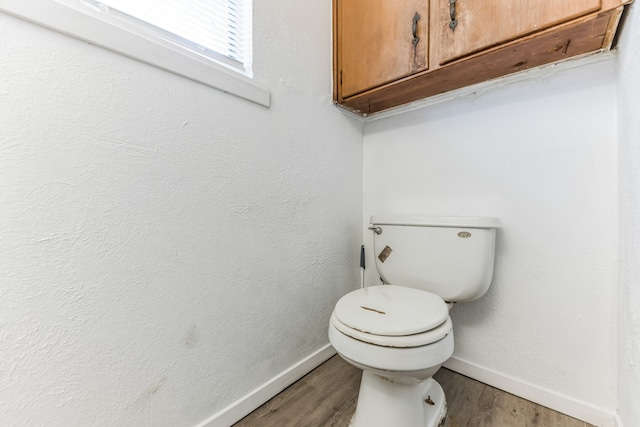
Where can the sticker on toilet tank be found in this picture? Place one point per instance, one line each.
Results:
(385, 254)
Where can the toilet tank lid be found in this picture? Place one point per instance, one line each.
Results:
(437, 221)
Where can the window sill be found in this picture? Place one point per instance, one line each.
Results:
(150, 50)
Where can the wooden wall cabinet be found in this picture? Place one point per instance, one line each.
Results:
(388, 52)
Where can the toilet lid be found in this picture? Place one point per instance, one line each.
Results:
(391, 310)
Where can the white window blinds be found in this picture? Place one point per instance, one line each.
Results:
(207, 41)
(217, 29)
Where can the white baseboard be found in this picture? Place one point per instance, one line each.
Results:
(244, 406)
(619, 422)
(597, 416)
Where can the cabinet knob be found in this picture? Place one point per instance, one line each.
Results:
(414, 29)
(452, 13)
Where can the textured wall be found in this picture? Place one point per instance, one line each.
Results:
(167, 248)
(629, 156)
(541, 156)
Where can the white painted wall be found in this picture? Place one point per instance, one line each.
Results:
(629, 159)
(167, 248)
(541, 155)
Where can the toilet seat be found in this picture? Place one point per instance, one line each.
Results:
(392, 316)
(406, 341)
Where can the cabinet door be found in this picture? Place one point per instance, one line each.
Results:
(379, 41)
(485, 23)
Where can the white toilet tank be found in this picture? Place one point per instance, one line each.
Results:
(451, 257)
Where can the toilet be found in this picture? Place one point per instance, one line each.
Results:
(399, 332)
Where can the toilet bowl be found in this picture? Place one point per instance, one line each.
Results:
(398, 359)
(400, 333)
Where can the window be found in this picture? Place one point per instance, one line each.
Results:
(208, 41)
(214, 28)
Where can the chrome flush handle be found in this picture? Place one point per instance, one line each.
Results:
(376, 230)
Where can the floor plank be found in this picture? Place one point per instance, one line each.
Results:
(472, 403)
(327, 397)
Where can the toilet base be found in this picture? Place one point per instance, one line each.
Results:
(385, 403)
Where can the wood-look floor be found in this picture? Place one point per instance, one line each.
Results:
(327, 397)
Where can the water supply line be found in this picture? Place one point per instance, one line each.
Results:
(362, 267)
